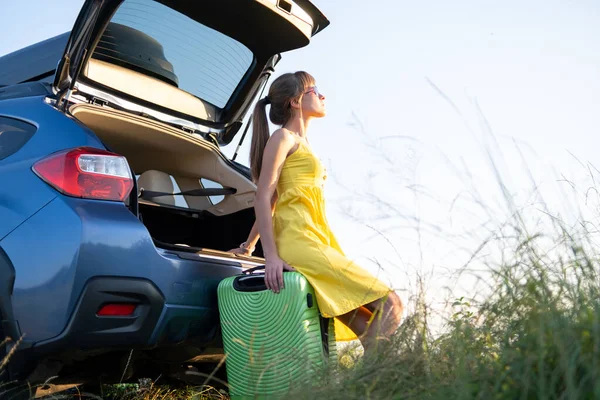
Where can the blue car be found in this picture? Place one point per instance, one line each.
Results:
(117, 205)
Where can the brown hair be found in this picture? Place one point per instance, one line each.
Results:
(283, 91)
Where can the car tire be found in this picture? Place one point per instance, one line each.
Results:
(10, 390)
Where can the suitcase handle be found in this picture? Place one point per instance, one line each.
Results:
(251, 270)
(250, 283)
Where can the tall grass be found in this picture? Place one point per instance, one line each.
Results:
(537, 337)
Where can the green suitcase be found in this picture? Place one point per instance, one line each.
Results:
(273, 342)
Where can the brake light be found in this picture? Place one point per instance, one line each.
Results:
(87, 173)
(116, 310)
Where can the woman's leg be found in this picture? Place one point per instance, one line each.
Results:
(375, 321)
(388, 313)
(358, 321)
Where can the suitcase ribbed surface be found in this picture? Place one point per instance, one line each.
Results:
(272, 341)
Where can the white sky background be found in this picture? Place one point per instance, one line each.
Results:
(420, 97)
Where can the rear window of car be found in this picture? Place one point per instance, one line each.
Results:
(13, 135)
(156, 40)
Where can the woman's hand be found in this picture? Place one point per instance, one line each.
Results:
(274, 267)
(241, 250)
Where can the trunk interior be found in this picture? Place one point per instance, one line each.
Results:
(169, 160)
(203, 232)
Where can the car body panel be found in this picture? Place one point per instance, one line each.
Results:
(32, 63)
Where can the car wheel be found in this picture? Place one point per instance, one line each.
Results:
(10, 390)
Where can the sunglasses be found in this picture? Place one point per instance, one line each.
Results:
(314, 90)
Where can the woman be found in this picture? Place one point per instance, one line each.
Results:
(290, 217)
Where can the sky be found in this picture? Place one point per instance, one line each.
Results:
(444, 118)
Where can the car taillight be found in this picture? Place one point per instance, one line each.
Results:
(88, 173)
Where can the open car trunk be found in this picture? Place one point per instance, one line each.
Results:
(168, 160)
(166, 95)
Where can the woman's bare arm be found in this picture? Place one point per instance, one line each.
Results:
(253, 236)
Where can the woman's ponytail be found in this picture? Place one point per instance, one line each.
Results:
(260, 136)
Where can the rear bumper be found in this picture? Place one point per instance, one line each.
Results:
(87, 330)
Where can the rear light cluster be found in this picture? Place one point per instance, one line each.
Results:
(88, 173)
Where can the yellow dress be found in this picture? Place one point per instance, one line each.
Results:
(305, 242)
